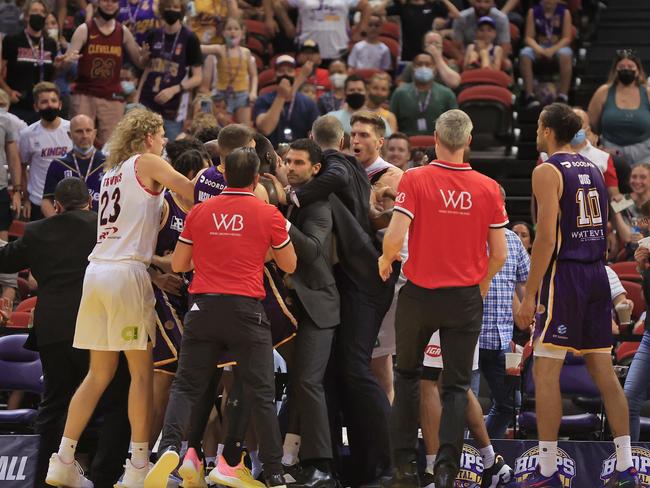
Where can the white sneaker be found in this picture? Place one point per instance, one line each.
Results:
(133, 477)
(66, 475)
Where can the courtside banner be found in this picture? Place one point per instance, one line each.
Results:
(580, 464)
(18, 460)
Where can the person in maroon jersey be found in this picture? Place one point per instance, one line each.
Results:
(100, 47)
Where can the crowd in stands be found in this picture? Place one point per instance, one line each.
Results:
(386, 70)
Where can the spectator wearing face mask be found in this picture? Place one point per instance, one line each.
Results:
(355, 99)
(620, 109)
(333, 99)
(445, 69)
(417, 105)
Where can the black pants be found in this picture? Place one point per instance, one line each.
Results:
(237, 324)
(364, 403)
(308, 415)
(63, 370)
(458, 313)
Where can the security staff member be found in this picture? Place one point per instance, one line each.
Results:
(227, 238)
(448, 273)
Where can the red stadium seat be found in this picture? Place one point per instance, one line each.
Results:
(259, 62)
(422, 141)
(394, 47)
(257, 28)
(267, 89)
(390, 29)
(27, 305)
(19, 320)
(515, 34)
(484, 76)
(624, 267)
(366, 73)
(266, 78)
(635, 293)
(17, 228)
(490, 108)
(256, 46)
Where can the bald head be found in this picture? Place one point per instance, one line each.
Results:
(583, 116)
(82, 133)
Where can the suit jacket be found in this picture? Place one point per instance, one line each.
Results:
(313, 280)
(56, 250)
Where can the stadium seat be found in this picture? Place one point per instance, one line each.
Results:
(19, 320)
(624, 267)
(20, 369)
(27, 305)
(266, 78)
(394, 47)
(390, 29)
(575, 381)
(256, 46)
(17, 228)
(490, 108)
(258, 29)
(259, 62)
(515, 35)
(422, 141)
(484, 76)
(635, 293)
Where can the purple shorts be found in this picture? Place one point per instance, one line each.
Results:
(170, 310)
(574, 309)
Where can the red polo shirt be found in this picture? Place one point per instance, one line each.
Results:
(230, 234)
(451, 207)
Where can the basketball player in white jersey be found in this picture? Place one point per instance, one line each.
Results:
(117, 306)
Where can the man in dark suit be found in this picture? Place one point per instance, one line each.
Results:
(364, 299)
(56, 250)
(317, 308)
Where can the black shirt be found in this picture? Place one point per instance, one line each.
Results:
(193, 56)
(417, 20)
(26, 65)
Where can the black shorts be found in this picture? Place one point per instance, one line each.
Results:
(430, 373)
(6, 215)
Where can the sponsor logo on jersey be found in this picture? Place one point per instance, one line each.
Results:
(12, 468)
(229, 223)
(53, 152)
(176, 223)
(641, 460)
(433, 351)
(526, 463)
(471, 468)
(130, 333)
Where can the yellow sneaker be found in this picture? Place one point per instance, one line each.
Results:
(234, 476)
(192, 471)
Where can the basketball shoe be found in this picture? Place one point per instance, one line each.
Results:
(537, 480)
(191, 470)
(133, 477)
(499, 474)
(624, 479)
(233, 476)
(69, 475)
(159, 474)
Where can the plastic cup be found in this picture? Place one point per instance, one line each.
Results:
(513, 360)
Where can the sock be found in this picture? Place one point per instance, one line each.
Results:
(290, 449)
(431, 461)
(623, 453)
(67, 449)
(232, 452)
(210, 459)
(488, 456)
(548, 457)
(139, 454)
(256, 465)
(219, 449)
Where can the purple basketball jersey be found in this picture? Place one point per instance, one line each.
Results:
(209, 184)
(172, 227)
(583, 210)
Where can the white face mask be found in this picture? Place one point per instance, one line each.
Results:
(53, 33)
(338, 79)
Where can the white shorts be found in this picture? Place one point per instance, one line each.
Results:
(117, 310)
(433, 354)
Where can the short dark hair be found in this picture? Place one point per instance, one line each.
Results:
(313, 149)
(207, 134)
(191, 161)
(266, 153)
(531, 229)
(175, 149)
(352, 79)
(232, 137)
(371, 118)
(400, 135)
(241, 167)
(562, 120)
(71, 193)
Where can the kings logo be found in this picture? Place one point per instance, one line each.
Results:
(641, 460)
(526, 463)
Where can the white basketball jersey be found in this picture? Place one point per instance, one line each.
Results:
(129, 216)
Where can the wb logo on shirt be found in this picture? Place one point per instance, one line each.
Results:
(226, 222)
(461, 200)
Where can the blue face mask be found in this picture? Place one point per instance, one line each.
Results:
(84, 151)
(579, 138)
(128, 87)
(423, 74)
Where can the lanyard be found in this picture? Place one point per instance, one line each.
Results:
(548, 26)
(422, 104)
(163, 54)
(41, 55)
(133, 16)
(233, 76)
(90, 165)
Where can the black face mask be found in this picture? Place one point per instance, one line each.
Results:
(171, 16)
(36, 22)
(355, 100)
(377, 99)
(49, 114)
(286, 77)
(626, 76)
(106, 16)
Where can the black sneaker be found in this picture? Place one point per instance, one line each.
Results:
(427, 480)
(499, 474)
(312, 477)
(531, 102)
(405, 476)
(276, 481)
(293, 474)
